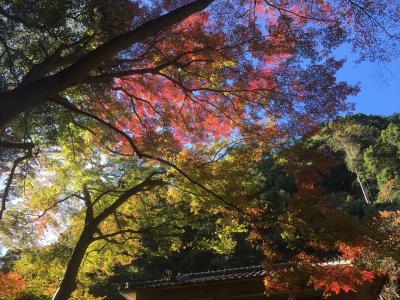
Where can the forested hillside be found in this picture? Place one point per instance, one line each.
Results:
(371, 145)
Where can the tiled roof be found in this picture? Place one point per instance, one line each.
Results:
(201, 277)
(219, 275)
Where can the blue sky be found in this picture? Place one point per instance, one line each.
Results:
(380, 85)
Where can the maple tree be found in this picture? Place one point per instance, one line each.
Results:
(117, 237)
(294, 206)
(169, 88)
(10, 284)
(245, 65)
(323, 212)
(88, 226)
(311, 226)
(105, 207)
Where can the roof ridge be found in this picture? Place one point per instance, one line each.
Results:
(221, 274)
(224, 270)
(185, 278)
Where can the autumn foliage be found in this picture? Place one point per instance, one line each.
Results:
(318, 245)
(10, 284)
(138, 104)
(196, 83)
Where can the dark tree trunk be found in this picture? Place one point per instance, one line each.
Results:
(27, 96)
(12, 103)
(68, 284)
(34, 93)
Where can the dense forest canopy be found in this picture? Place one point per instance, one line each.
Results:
(195, 236)
(156, 126)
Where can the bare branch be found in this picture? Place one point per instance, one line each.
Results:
(371, 17)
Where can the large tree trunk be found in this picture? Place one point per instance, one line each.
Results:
(12, 103)
(35, 92)
(68, 283)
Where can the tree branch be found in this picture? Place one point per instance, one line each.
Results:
(55, 204)
(34, 93)
(141, 154)
(54, 61)
(88, 203)
(64, 102)
(143, 186)
(83, 66)
(20, 146)
(10, 179)
(153, 70)
(102, 236)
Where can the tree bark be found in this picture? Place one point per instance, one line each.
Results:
(68, 283)
(31, 94)
(25, 97)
